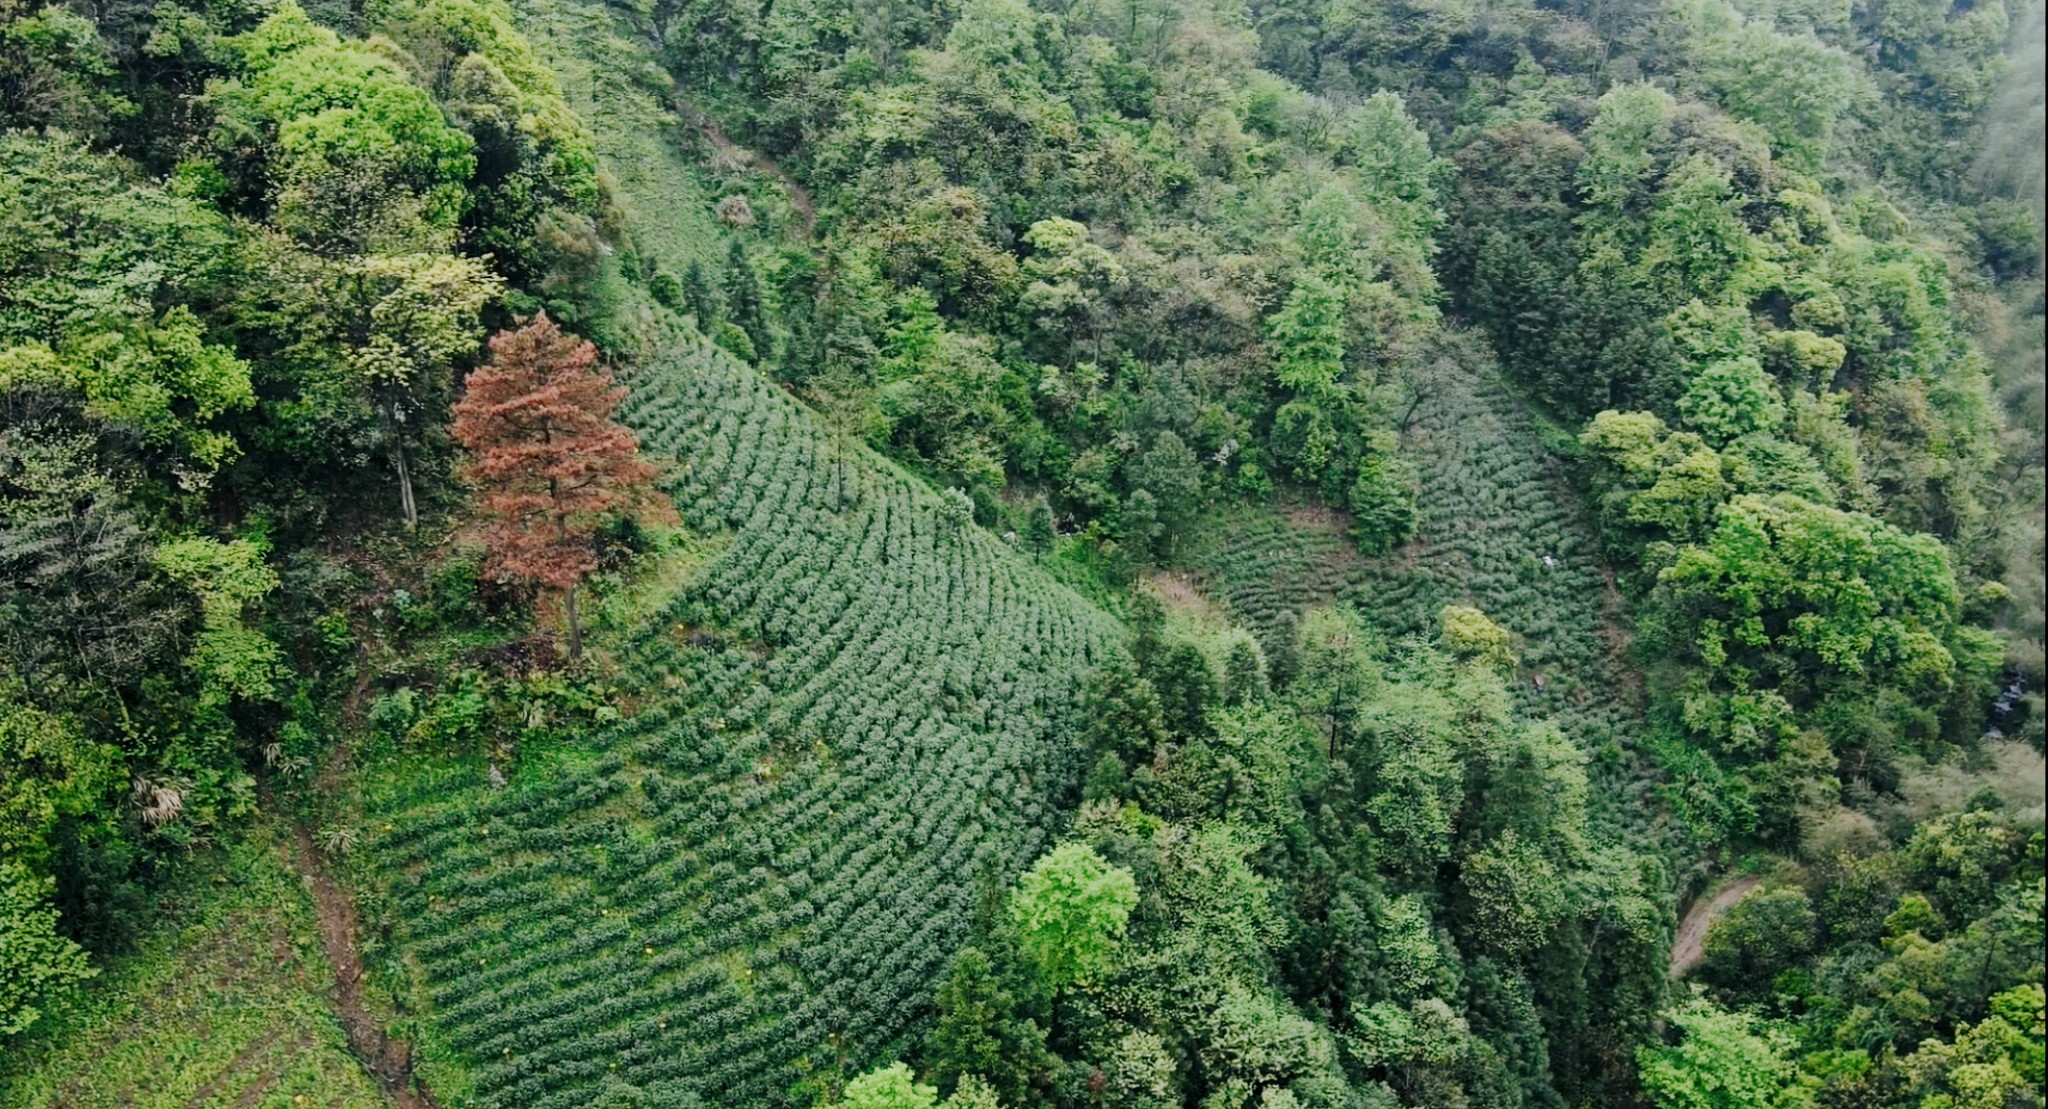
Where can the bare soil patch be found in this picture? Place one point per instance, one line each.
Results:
(389, 1060)
(1689, 948)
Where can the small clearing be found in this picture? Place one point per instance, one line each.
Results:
(1690, 946)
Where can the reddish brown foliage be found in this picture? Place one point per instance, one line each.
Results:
(549, 462)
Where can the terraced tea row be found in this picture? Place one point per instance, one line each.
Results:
(853, 716)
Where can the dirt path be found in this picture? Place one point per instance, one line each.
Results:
(388, 1059)
(799, 197)
(1690, 947)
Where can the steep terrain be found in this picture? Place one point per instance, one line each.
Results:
(851, 720)
(1223, 555)
(228, 1006)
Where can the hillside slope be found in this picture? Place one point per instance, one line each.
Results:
(852, 719)
(229, 1005)
(1498, 528)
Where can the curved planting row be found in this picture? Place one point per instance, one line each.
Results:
(855, 715)
(1500, 529)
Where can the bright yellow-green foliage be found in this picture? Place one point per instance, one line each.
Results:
(161, 381)
(53, 771)
(232, 658)
(1671, 481)
(1842, 596)
(1722, 1060)
(1069, 911)
(92, 258)
(468, 47)
(1470, 635)
(343, 107)
(889, 1087)
(418, 311)
(35, 962)
(1992, 1063)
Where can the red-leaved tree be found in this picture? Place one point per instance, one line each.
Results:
(550, 463)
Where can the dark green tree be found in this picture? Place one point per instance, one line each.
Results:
(1283, 649)
(745, 307)
(1187, 690)
(1122, 713)
(1244, 673)
(980, 1032)
(1039, 532)
(702, 298)
(1172, 475)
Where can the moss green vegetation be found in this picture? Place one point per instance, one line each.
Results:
(848, 727)
(1227, 555)
(224, 1005)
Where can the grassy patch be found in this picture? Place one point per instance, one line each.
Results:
(613, 82)
(227, 1006)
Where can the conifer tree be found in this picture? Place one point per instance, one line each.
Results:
(551, 463)
(1039, 531)
(743, 305)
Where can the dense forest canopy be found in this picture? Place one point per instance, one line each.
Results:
(1024, 553)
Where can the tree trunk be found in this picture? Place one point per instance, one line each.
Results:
(406, 506)
(387, 415)
(575, 629)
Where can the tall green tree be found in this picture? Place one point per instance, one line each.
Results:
(1069, 912)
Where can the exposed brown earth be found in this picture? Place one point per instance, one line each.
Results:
(389, 1060)
(1690, 947)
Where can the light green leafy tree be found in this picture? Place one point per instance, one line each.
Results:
(1071, 278)
(361, 151)
(404, 320)
(48, 770)
(1730, 399)
(1792, 85)
(158, 381)
(890, 1087)
(1698, 246)
(1621, 147)
(1722, 1060)
(96, 274)
(231, 658)
(1841, 592)
(1472, 636)
(1069, 911)
(37, 965)
(1517, 894)
(1992, 1064)
(1308, 335)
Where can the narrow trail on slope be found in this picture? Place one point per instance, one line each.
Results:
(799, 197)
(1689, 948)
(389, 1060)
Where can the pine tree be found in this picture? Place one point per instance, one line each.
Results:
(1039, 532)
(551, 463)
(1283, 649)
(1147, 619)
(980, 1033)
(1244, 673)
(1122, 713)
(702, 299)
(1186, 688)
(743, 306)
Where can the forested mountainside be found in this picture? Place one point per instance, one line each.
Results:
(899, 553)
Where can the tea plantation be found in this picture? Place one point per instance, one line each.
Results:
(1500, 529)
(853, 721)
